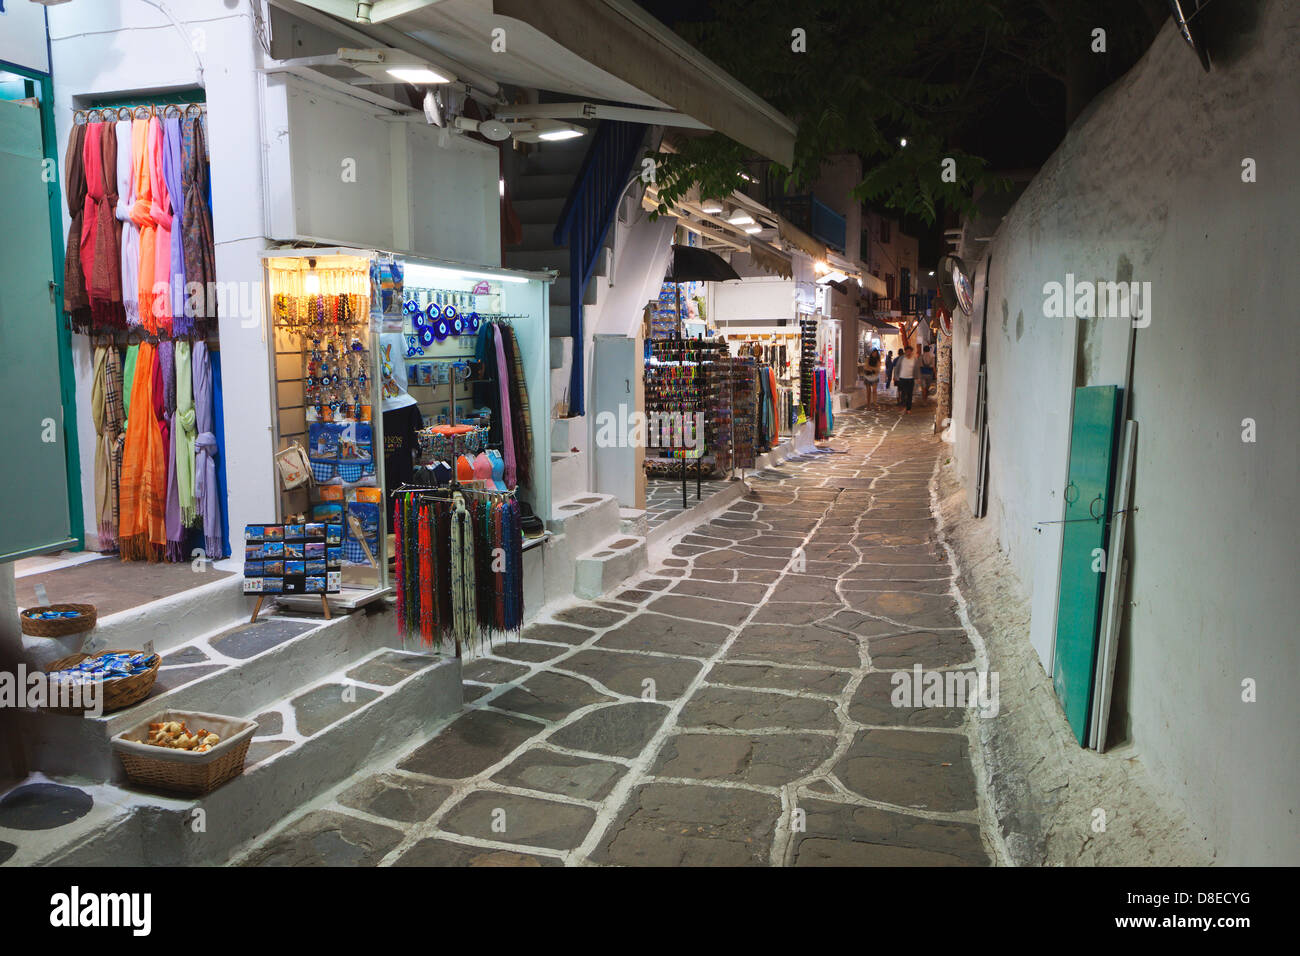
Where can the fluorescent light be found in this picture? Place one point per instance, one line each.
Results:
(418, 276)
(417, 75)
(712, 207)
(559, 134)
(741, 219)
(755, 227)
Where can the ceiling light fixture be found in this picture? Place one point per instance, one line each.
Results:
(739, 218)
(417, 76)
(712, 207)
(753, 229)
(556, 135)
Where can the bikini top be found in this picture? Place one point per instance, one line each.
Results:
(498, 469)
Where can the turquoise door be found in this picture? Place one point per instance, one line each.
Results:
(33, 475)
(1083, 559)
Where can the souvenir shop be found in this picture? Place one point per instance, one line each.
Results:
(139, 283)
(819, 344)
(410, 402)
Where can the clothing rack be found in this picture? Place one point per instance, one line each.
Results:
(112, 114)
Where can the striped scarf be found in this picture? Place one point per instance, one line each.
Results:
(107, 524)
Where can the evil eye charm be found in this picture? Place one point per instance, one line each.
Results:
(450, 313)
(311, 381)
(474, 321)
(410, 307)
(429, 333)
(441, 329)
(457, 325)
(432, 314)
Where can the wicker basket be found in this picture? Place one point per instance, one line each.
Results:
(60, 626)
(182, 771)
(117, 693)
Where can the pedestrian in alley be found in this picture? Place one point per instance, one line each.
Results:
(927, 373)
(905, 370)
(889, 370)
(871, 375)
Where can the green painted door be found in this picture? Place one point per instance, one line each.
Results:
(1083, 561)
(33, 478)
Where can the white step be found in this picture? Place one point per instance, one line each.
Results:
(216, 681)
(633, 521)
(585, 519)
(569, 433)
(153, 829)
(609, 564)
(568, 472)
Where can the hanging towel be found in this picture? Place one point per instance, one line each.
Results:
(142, 534)
(76, 302)
(129, 239)
(507, 432)
(196, 223)
(183, 430)
(182, 324)
(141, 215)
(206, 491)
(161, 212)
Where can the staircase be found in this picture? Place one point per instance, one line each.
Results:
(330, 698)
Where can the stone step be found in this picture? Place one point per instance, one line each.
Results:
(609, 564)
(585, 519)
(230, 671)
(542, 185)
(307, 743)
(568, 470)
(545, 211)
(633, 521)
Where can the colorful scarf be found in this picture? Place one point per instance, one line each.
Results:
(464, 614)
(76, 302)
(101, 256)
(129, 233)
(141, 206)
(196, 221)
(206, 492)
(183, 430)
(507, 432)
(399, 563)
(114, 438)
(520, 412)
(103, 456)
(142, 534)
(128, 379)
(175, 527)
(181, 323)
(160, 211)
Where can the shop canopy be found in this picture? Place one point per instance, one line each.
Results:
(609, 50)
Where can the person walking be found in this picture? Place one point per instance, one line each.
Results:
(889, 369)
(871, 375)
(927, 374)
(905, 370)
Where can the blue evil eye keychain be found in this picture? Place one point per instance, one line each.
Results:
(429, 333)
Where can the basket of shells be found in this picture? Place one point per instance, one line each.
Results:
(185, 752)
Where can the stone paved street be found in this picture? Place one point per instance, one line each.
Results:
(729, 707)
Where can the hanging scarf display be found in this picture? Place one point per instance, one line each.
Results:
(114, 441)
(520, 416)
(219, 429)
(103, 458)
(182, 324)
(507, 429)
(101, 256)
(183, 431)
(141, 215)
(160, 210)
(142, 533)
(196, 220)
(76, 303)
(206, 490)
(426, 579)
(175, 527)
(128, 379)
(129, 232)
(463, 596)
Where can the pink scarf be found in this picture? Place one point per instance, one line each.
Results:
(160, 210)
(507, 434)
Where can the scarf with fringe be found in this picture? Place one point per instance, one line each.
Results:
(142, 533)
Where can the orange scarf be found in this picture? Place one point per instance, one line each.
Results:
(142, 532)
(141, 162)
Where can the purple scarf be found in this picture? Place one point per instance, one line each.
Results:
(507, 433)
(182, 324)
(206, 496)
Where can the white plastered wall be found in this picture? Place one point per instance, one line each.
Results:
(1148, 186)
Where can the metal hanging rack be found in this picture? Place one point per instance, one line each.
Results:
(141, 111)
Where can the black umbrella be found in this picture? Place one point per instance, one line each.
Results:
(691, 264)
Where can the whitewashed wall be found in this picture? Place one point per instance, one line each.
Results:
(1148, 187)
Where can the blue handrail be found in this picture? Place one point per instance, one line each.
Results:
(588, 213)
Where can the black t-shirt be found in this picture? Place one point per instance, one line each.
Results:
(400, 426)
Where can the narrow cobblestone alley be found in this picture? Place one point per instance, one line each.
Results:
(688, 720)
